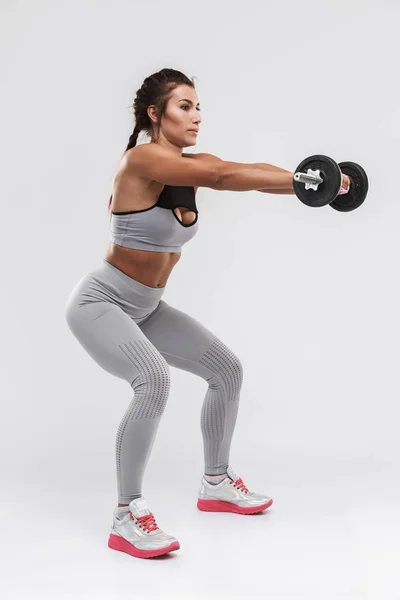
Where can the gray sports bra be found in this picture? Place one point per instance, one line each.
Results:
(157, 228)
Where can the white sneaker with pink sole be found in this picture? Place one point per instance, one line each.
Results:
(135, 531)
(230, 495)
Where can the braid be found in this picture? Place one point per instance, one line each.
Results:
(134, 136)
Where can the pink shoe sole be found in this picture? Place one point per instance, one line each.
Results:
(221, 506)
(118, 543)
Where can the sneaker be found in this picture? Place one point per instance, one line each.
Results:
(231, 495)
(137, 533)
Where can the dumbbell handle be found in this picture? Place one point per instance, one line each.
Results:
(307, 178)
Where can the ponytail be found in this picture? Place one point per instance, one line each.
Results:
(134, 136)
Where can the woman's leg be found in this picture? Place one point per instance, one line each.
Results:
(187, 344)
(118, 345)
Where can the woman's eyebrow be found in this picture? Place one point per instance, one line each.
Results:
(187, 100)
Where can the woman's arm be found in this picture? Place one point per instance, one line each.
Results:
(264, 166)
(288, 190)
(243, 177)
(157, 164)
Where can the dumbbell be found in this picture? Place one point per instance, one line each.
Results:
(317, 182)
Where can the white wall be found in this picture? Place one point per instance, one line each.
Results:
(307, 298)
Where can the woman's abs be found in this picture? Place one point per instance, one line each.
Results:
(150, 268)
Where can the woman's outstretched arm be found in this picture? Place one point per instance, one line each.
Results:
(155, 163)
(264, 166)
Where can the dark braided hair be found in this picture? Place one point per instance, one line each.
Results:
(155, 90)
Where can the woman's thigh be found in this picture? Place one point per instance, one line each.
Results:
(187, 344)
(114, 340)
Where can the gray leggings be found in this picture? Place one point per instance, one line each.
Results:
(133, 334)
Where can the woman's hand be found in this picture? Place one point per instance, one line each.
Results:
(345, 184)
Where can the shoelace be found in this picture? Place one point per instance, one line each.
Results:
(240, 485)
(146, 522)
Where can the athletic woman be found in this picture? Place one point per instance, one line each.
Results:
(117, 313)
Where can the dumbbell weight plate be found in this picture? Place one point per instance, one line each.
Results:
(328, 189)
(358, 188)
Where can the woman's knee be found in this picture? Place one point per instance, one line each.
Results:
(151, 385)
(225, 365)
(152, 371)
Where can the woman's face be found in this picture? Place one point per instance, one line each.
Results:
(182, 115)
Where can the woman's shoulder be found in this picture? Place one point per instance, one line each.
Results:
(202, 156)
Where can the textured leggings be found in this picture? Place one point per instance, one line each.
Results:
(133, 334)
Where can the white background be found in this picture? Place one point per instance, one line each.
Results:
(307, 298)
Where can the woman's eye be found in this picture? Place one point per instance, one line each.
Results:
(187, 106)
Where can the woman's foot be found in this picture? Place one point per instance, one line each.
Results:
(230, 495)
(135, 531)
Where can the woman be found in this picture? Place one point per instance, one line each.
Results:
(117, 313)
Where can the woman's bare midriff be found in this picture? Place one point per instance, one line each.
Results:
(150, 268)
(131, 192)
